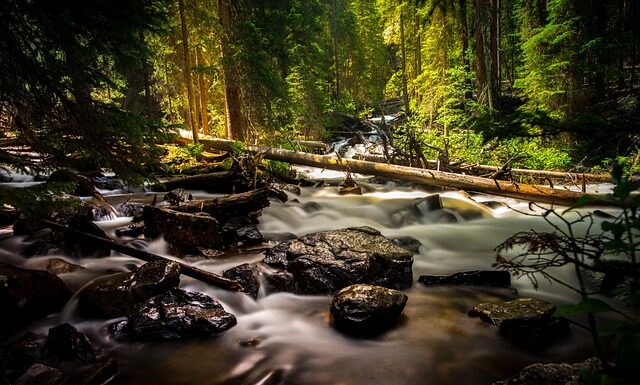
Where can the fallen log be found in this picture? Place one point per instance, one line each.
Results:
(421, 176)
(222, 182)
(190, 271)
(224, 208)
(481, 168)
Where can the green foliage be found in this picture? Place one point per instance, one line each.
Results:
(41, 200)
(57, 57)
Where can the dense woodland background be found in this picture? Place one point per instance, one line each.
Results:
(552, 82)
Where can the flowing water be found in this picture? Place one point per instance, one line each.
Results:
(286, 339)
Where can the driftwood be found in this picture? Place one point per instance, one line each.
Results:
(415, 175)
(190, 271)
(480, 168)
(224, 208)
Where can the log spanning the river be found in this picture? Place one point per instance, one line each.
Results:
(480, 168)
(408, 174)
(188, 270)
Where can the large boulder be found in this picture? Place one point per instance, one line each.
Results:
(325, 262)
(526, 322)
(27, 295)
(554, 374)
(115, 295)
(186, 233)
(179, 314)
(66, 343)
(364, 310)
(475, 278)
(247, 276)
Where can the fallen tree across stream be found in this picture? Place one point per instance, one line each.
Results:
(408, 174)
(481, 168)
(190, 271)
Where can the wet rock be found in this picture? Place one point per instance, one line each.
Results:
(130, 209)
(247, 276)
(525, 322)
(40, 374)
(108, 182)
(554, 374)
(99, 373)
(66, 343)
(115, 295)
(408, 243)
(18, 356)
(474, 278)
(83, 186)
(275, 280)
(184, 232)
(179, 314)
(55, 266)
(27, 295)
(365, 310)
(8, 215)
(349, 187)
(311, 207)
(328, 261)
(278, 237)
(132, 230)
(178, 196)
(241, 231)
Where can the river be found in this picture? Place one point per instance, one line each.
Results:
(286, 339)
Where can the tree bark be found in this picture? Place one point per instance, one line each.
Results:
(464, 33)
(187, 70)
(415, 175)
(232, 103)
(218, 182)
(203, 94)
(481, 63)
(405, 89)
(494, 48)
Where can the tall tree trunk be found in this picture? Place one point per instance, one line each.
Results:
(187, 71)
(405, 90)
(334, 37)
(203, 94)
(635, 16)
(232, 106)
(147, 81)
(494, 49)
(418, 56)
(481, 63)
(464, 33)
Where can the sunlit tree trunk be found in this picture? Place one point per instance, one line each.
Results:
(232, 106)
(334, 36)
(481, 63)
(203, 94)
(405, 90)
(464, 33)
(187, 71)
(494, 48)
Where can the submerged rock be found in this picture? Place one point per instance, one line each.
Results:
(475, 278)
(526, 322)
(27, 295)
(40, 374)
(554, 374)
(82, 186)
(114, 296)
(66, 343)
(55, 266)
(18, 356)
(179, 314)
(328, 261)
(178, 196)
(246, 275)
(241, 231)
(364, 310)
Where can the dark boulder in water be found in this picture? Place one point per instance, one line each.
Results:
(325, 262)
(525, 322)
(554, 374)
(115, 295)
(179, 314)
(27, 295)
(364, 310)
(241, 231)
(474, 278)
(247, 276)
(66, 343)
(178, 196)
(40, 374)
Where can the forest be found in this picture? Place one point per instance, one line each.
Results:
(266, 192)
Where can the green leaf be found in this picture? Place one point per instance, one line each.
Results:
(586, 306)
(615, 228)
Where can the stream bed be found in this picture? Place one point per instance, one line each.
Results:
(285, 338)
